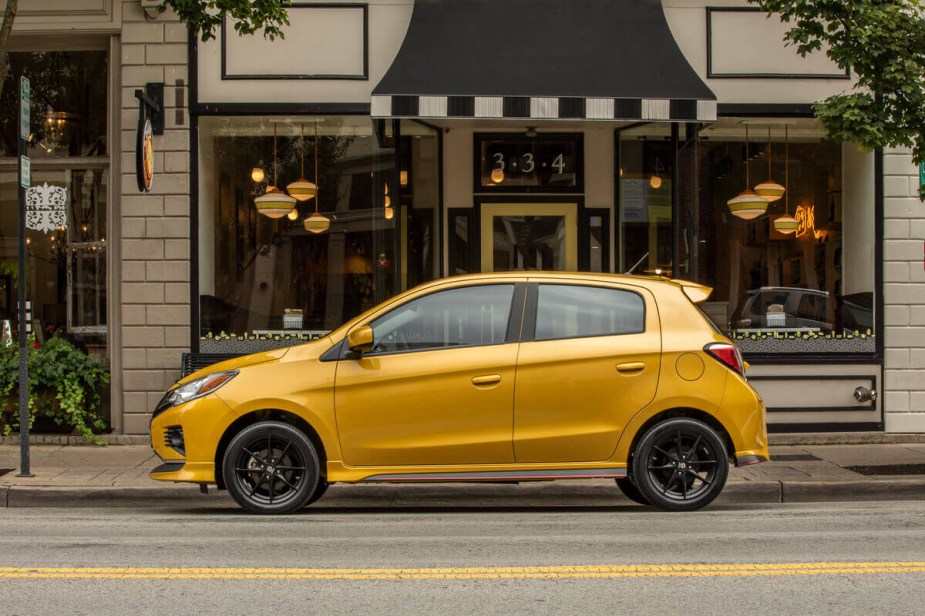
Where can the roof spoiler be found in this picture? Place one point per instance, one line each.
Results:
(697, 293)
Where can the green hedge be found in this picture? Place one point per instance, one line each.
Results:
(65, 384)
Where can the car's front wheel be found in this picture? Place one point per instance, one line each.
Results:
(271, 467)
(680, 464)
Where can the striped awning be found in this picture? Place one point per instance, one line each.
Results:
(542, 60)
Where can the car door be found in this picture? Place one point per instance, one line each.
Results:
(437, 387)
(589, 361)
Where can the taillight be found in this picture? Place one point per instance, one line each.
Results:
(728, 354)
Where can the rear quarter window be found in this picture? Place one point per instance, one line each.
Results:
(576, 311)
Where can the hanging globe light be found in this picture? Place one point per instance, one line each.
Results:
(294, 214)
(274, 203)
(747, 205)
(302, 189)
(317, 222)
(786, 224)
(769, 189)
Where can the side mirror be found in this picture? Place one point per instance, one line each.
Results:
(360, 339)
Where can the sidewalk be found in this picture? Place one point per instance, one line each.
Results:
(117, 476)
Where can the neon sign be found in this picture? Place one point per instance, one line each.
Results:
(806, 217)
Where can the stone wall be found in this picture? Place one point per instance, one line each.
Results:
(154, 273)
(904, 295)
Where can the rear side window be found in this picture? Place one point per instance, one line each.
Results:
(573, 311)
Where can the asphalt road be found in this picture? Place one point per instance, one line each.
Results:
(833, 558)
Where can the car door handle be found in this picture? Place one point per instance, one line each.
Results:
(488, 379)
(633, 367)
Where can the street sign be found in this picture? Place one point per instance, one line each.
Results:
(922, 181)
(25, 108)
(26, 179)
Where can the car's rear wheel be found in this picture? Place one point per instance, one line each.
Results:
(680, 464)
(630, 491)
(271, 467)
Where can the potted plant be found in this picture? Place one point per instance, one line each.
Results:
(65, 386)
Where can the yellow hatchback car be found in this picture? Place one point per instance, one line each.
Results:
(520, 376)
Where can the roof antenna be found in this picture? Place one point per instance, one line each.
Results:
(637, 264)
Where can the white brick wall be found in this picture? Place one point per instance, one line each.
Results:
(904, 295)
(155, 233)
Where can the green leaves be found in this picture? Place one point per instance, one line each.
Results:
(882, 44)
(75, 378)
(205, 16)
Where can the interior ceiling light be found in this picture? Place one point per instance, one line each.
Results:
(769, 189)
(317, 222)
(274, 203)
(786, 224)
(294, 214)
(302, 189)
(747, 205)
(257, 174)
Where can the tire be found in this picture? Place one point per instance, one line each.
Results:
(630, 491)
(271, 468)
(680, 464)
(320, 489)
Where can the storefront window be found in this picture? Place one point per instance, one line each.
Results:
(69, 100)
(645, 177)
(419, 178)
(809, 291)
(273, 280)
(67, 203)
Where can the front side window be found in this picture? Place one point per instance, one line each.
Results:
(570, 311)
(473, 316)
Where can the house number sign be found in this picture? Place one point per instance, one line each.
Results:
(517, 163)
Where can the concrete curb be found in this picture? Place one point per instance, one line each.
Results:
(553, 494)
(846, 438)
(823, 491)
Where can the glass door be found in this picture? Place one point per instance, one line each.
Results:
(529, 236)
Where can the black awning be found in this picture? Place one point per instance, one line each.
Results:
(542, 59)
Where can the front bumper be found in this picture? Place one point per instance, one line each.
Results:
(186, 438)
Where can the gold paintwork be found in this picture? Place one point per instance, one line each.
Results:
(574, 404)
(360, 339)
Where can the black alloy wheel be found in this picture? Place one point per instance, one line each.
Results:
(631, 491)
(271, 467)
(680, 464)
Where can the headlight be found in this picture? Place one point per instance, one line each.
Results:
(194, 389)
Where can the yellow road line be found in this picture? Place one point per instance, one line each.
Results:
(449, 573)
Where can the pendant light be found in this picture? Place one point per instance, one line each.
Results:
(302, 189)
(786, 224)
(769, 189)
(316, 223)
(747, 205)
(274, 203)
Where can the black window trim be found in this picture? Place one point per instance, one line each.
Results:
(530, 311)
